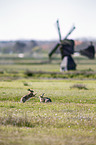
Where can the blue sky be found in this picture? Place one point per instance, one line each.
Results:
(36, 19)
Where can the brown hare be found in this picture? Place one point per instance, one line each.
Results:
(44, 99)
(28, 96)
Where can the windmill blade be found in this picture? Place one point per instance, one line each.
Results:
(59, 30)
(58, 44)
(71, 30)
(88, 52)
(53, 50)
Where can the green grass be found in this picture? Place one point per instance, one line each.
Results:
(12, 67)
(71, 116)
(69, 119)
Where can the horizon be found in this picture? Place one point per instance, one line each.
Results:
(77, 39)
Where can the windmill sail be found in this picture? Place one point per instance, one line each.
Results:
(61, 41)
(71, 30)
(89, 52)
(53, 49)
(59, 30)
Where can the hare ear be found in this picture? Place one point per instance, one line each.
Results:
(30, 90)
(43, 94)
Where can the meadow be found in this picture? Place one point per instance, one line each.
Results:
(71, 116)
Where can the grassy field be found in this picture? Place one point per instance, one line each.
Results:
(13, 67)
(69, 119)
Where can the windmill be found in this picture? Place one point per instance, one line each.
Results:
(66, 47)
